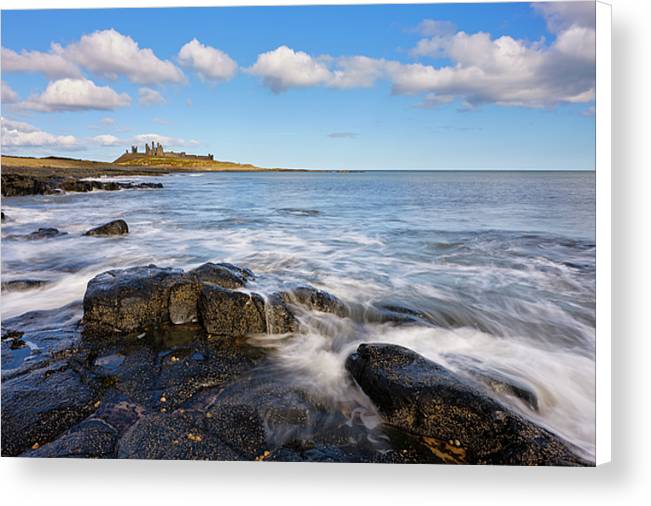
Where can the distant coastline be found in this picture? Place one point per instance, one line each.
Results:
(146, 166)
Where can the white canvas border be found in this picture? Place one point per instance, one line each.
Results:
(603, 233)
(603, 166)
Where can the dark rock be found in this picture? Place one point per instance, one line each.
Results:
(502, 384)
(14, 185)
(17, 343)
(39, 405)
(226, 312)
(185, 371)
(41, 233)
(12, 334)
(279, 319)
(424, 398)
(316, 300)
(184, 297)
(115, 227)
(21, 285)
(315, 454)
(3, 216)
(131, 299)
(181, 435)
(84, 185)
(92, 438)
(224, 275)
(279, 410)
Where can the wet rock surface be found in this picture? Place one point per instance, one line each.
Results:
(115, 227)
(316, 300)
(132, 300)
(230, 313)
(22, 285)
(456, 419)
(224, 275)
(15, 185)
(128, 300)
(41, 233)
(162, 367)
(39, 405)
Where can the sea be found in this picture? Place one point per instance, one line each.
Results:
(499, 266)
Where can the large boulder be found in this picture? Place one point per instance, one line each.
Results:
(134, 299)
(231, 313)
(129, 300)
(39, 405)
(453, 417)
(223, 274)
(315, 300)
(115, 227)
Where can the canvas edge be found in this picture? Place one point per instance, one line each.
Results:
(603, 173)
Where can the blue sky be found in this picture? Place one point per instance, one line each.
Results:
(465, 86)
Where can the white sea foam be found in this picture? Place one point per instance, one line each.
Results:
(518, 303)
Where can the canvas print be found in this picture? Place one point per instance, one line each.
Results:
(352, 233)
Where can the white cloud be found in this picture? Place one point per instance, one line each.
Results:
(562, 15)
(53, 64)
(110, 54)
(284, 68)
(147, 96)
(165, 140)
(76, 95)
(16, 134)
(505, 70)
(481, 69)
(106, 53)
(107, 140)
(9, 96)
(435, 27)
(209, 62)
(356, 72)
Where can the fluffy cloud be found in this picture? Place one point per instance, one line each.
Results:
(9, 96)
(505, 70)
(53, 64)
(76, 95)
(210, 63)
(147, 96)
(284, 68)
(106, 53)
(110, 54)
(562, 15)
(481, 69)
(107, 140)
(16, 134)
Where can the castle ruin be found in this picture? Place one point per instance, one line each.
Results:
(155, 150)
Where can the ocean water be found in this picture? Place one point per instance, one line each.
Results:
(501, 266)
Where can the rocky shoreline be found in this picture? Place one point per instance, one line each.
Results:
(17, 185)
(161, 367)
